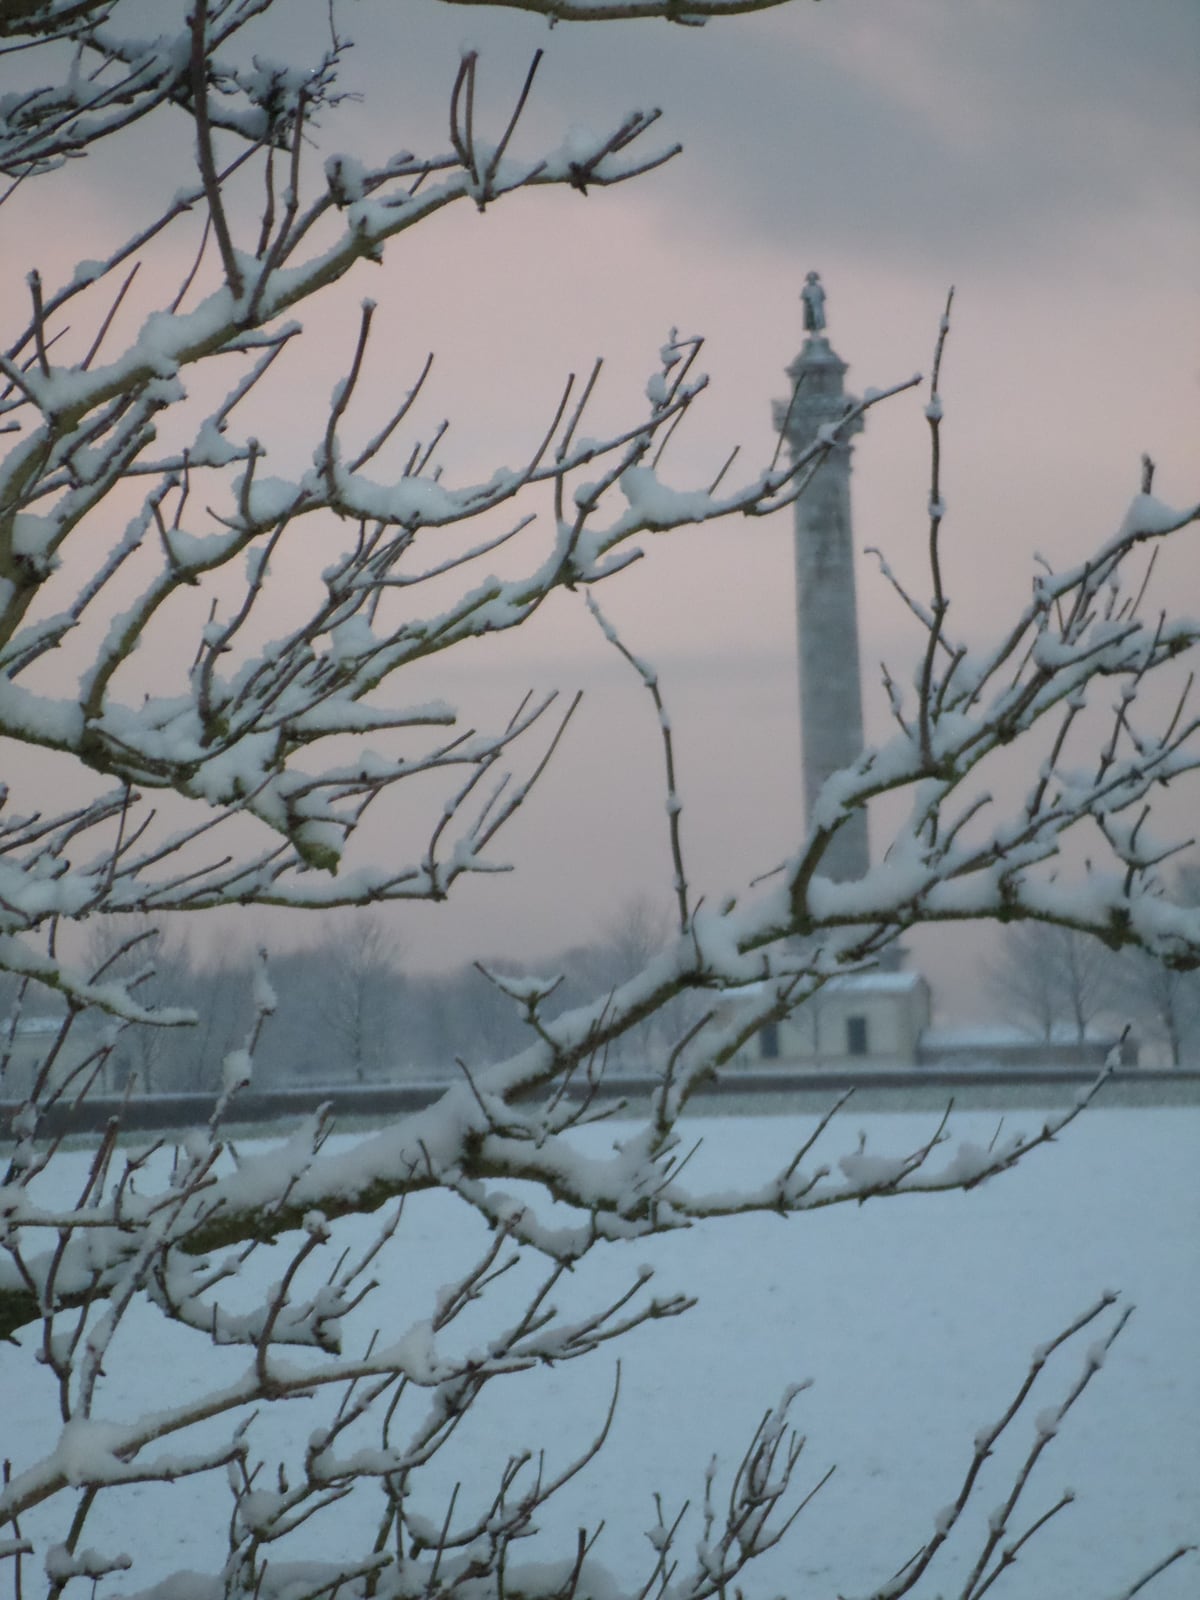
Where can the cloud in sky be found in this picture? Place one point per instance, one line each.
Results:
(1042, 156)
(986, 131)
(932, 126)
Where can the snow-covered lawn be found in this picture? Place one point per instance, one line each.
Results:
(915, 1318)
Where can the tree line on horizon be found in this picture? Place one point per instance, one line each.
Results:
(348, 1008)
(351, 1011)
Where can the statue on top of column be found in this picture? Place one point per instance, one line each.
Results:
(813, 296)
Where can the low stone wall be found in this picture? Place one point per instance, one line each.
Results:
(737, 1093)
(932, 1092)
(1032, 1055)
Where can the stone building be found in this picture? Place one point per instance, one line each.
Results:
(872, 1019)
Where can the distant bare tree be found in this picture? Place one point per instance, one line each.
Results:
(1165, 1004)
(220, 992)
(362, 997)
(637, 932)
(137, 952)
(1162, 1000)
(1052, 980)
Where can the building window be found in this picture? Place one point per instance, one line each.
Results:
(768, 1036)
(856, 1036)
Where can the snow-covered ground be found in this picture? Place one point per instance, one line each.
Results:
(915, 1318)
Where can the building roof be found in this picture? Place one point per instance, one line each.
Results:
(857, 983)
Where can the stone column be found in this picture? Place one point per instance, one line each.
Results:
(831, 724)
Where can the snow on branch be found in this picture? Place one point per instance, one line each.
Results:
(688, 13)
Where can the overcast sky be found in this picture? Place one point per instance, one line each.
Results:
(1042, 157)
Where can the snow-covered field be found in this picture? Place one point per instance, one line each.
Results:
(915, 1318)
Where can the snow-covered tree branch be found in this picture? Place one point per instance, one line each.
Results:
(689, 13)
(138, 506)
